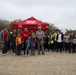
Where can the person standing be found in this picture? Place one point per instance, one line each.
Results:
(12, 40)
(33, 43)
(59, 41)
(55, 40)
(18, 44)
(74, 44)
(27, 45)
(66, 41)
(46, 39)
(52, 41)
(24, 35)
(40, 42)
(71, 42)
(4, 38)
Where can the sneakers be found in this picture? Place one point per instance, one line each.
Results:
(3, 54)
(13, 53)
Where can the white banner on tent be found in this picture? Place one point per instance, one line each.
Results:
(31, 22)
(20, 26)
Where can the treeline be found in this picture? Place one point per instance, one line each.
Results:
(6, 23)
(70, 31)
(3, 23)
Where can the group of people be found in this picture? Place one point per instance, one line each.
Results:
(59, 42)
(18, 40)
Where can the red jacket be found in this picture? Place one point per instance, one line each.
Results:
(24, 35)
(5, 36)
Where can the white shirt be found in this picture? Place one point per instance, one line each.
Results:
(59, 38)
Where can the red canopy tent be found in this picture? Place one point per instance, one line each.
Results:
(30, 23)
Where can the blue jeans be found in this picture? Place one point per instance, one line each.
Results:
(70, 47)
(4, 48)
(27, 50)
(32, 50)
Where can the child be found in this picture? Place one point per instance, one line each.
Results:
(27, 46)
(18, 44)
(33, 43)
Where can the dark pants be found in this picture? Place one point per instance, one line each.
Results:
(14, 47)
(70, 47)
(45, 45)
(52, 47)
(55, 45)
(18, 49)
(63, 48)
(32, 50)
(27, 50)
(59, 46)
(24, 46)
(66, 46)
(36, 46)
(8, 45)
(4, 47)
(73, 48)
(48, 47)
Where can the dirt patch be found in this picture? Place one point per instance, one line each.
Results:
(51, 63)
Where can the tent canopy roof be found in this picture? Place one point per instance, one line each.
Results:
(30, 23)
(30, 20)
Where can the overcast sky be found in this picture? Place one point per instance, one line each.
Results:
(62, 13)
